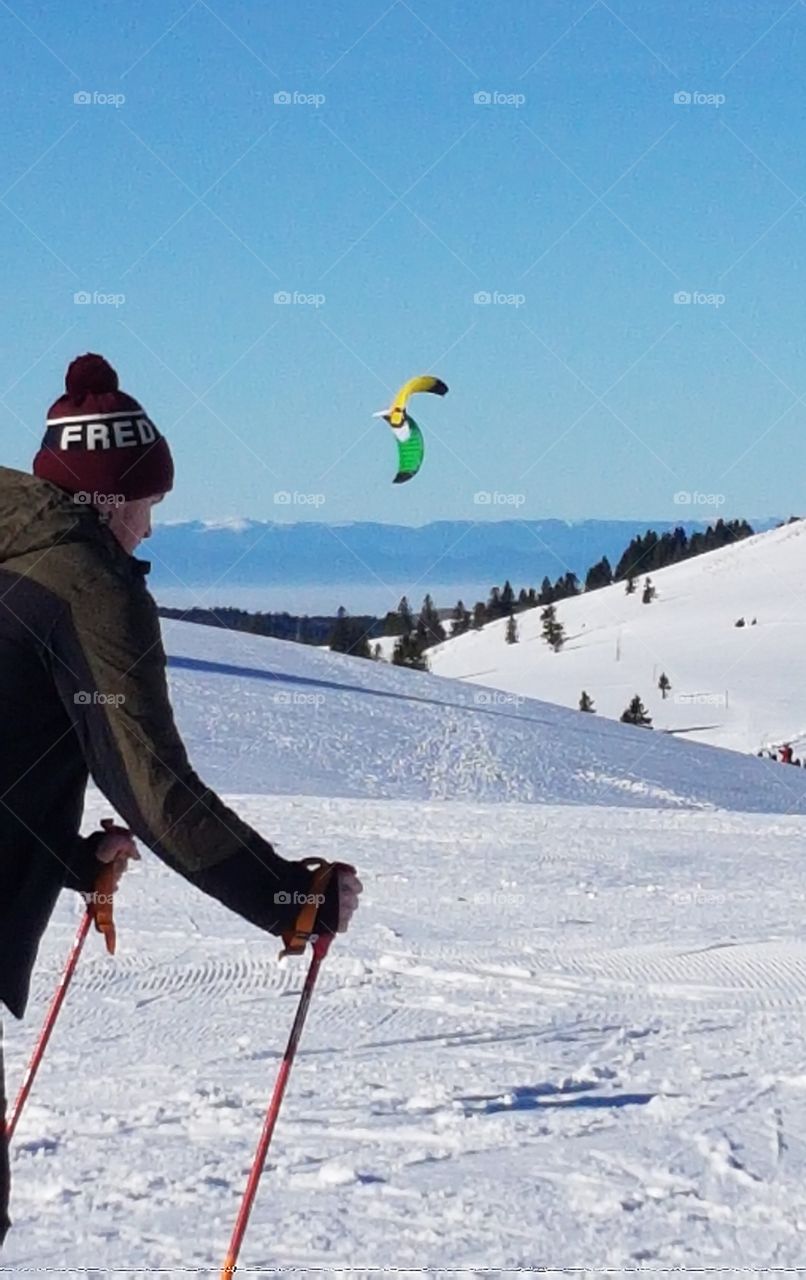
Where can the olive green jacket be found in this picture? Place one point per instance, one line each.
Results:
(83, 692)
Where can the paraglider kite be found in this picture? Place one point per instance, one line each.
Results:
(410, 444)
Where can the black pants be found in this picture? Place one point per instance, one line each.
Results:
(5, 1178)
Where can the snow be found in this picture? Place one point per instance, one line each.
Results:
(565, 1030)
(741, 688)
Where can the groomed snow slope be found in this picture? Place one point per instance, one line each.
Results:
(742, 688)
(563, 1034)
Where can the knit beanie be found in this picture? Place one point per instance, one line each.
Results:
(100, 442)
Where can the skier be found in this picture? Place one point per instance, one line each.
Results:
(83, 690)
(786, 753)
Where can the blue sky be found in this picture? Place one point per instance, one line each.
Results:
(580, 198)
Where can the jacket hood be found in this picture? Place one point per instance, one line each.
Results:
(36, 515)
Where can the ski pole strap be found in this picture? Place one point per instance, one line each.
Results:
(304, 928)
(101, 906)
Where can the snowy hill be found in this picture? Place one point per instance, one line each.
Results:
(742, 688)
(563, 1032)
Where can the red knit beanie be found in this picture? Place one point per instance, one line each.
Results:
(100, 441)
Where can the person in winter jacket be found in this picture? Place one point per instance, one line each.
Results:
(83, 692)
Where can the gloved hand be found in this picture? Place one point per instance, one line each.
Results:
(328, 904)
(116, 848)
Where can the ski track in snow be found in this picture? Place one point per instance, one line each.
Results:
(560, 1035)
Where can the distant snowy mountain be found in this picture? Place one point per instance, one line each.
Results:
(237, 553)
(738, 687)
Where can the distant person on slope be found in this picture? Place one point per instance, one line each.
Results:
(786, 753)
(83, 691)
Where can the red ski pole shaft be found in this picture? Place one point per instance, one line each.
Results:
(50, 1021)
(320, 948)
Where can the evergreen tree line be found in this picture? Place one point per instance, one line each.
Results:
(316, 630)
(416, 634)
(645, 554)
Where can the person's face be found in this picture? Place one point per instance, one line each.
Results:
(131, 521)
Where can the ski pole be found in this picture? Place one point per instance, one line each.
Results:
(99, 909)
(50, 1021)
(320, 949)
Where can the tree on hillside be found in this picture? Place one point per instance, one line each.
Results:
(664, 684)
(553, 630)
(546, 595)
(636, 713)
(512, 630)
(586, 702)
(349, 635)
(407, 653)
(599, 575)
(429, 624)
(479, 615)
(461, 620)
(406, 617)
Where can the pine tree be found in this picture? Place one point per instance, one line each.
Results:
(432, 629)
(507, 598)
(406, 617)
(339, 636)
(407, 653)
(636, 713)
(599, 575)
(512, 630)
(349, 635)
(461, 620)
(546, 595)
(649, 592)
(664, 684)
(553, 630)
(479, 615)
(586, 702)
(392, 623)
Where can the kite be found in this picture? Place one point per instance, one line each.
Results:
(410, 443)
